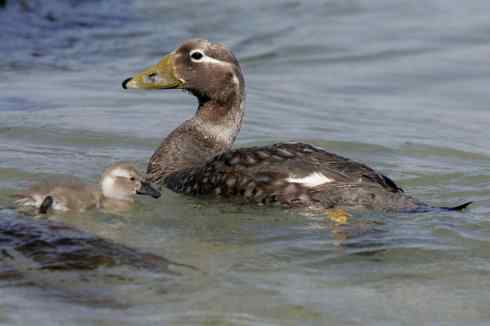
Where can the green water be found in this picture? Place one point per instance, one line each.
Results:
(399, 85)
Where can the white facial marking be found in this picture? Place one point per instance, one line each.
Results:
(312, 180)
(118, 172)
(205, 58)
(108, 186)
(112, 189)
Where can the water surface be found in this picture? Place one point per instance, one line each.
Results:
(399, 85)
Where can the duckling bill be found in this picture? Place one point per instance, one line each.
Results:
(197, 157)
(118, 186)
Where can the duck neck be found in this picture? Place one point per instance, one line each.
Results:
(211, 131)
(219, 122)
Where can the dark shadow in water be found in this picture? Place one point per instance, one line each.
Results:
(50, 258)
(56, 246)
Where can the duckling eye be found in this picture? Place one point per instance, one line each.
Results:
(132, 178)
(197, 55)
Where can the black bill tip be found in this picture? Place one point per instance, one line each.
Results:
(148, 190)
(125, 82)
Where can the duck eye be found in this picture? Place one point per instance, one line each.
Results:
(132, 178)
(197, 55)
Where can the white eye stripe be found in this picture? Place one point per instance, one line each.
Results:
(120, 173)
(206, 58)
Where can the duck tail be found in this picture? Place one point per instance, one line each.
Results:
(458, 208)
(45, 205)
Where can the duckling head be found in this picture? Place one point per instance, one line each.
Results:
(208, 70)
(122, 181)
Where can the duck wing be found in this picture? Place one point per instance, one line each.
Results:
(280, 172)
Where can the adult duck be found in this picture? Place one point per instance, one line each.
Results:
(196, 158)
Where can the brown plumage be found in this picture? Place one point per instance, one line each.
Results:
(274, 174)
(196, 158)
(118, 185)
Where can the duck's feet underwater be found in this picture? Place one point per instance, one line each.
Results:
(345, 226)
(338, 215)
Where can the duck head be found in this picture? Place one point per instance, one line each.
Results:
(122, 181)
(208, 70)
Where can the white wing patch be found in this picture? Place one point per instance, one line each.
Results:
(311, 180)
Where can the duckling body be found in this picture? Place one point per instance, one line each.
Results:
(118, 185)
(67, 193)
(196, 158)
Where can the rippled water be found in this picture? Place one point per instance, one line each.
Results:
(399, 85)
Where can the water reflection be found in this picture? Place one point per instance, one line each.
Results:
(45, 253)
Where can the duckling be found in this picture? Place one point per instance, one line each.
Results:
(197, 157)
(118, 185)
